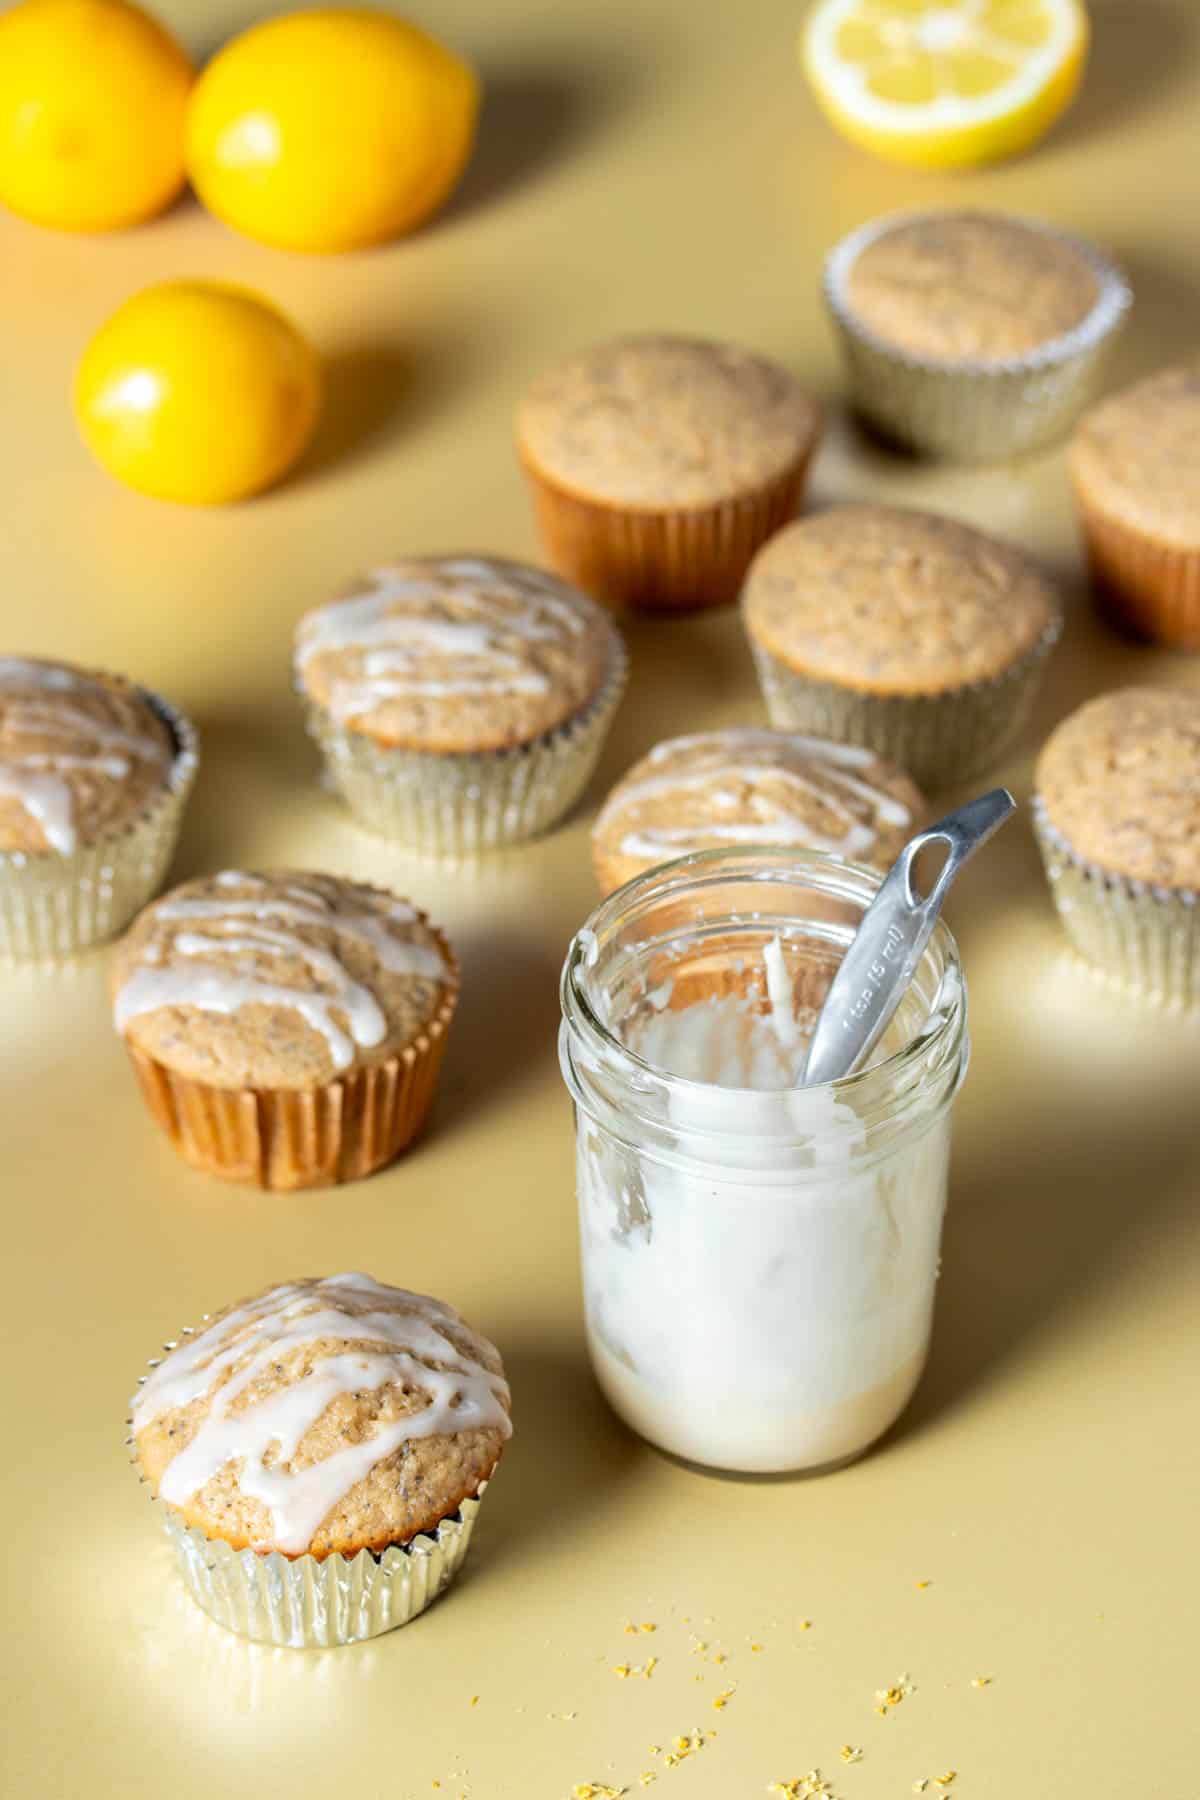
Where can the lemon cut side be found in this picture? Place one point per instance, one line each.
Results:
(945, 85)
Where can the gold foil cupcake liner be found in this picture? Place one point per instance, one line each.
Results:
(1139, 937)
(975, 411)
(53, 906)
(308, 1137)
(668, 560)
(938, 739)
(314, 1603)
(1147, 587)
(460, 803)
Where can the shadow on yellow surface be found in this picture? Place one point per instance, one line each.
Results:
(565, 1429)
(1046, 1228)
(1139, 52)
(533, 117)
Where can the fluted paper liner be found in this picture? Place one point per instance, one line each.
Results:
(1149, 587)
(1140, 937)
(662, 559)
(53, 905)
(458, 803)
(937, 738)
(975, 411)
(288, 1138)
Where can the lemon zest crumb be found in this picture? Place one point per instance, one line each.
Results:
(886, 1698)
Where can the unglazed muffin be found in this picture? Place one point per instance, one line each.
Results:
(752, 787)
(1135, 463)
(972, 335)
(659, 464)
(1117, 814)
(911, 634)
(286, 1029)
(318, 1453)
(94, 773)
(460, 702)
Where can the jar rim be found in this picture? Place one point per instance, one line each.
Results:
(880, 1087)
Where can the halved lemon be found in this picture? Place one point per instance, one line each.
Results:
(942, 84)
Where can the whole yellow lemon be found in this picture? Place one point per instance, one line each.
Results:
(330, 130)
(197, 391)
(93, 95)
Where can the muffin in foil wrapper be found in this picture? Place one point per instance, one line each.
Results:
(458, 803)
(937, 738)
(53, 905)
(1141, 938)
(974, 411)
(312, 1602)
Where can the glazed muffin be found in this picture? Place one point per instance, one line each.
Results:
(318, 1453)
(659, 464)
(972, 335)
(286, 1029)
(94, 773)
(1117, 814)
(1135, 463)
(751, 787)
(905, 632)
(460, 702)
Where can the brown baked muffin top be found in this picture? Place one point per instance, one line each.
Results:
(283, 980)
(889, 601)
(1136, 456)
(320, 1416)
(753, 787)
(455, 653)
(665, 422)
(81, 755)
(1120, 781)
(969, 287)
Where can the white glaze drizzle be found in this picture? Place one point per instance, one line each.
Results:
(216, 971)
(37, 779)
(752, 757)
(780, 995)
(397, 628)
(463, 1395)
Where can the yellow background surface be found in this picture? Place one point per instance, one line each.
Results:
(643, 163)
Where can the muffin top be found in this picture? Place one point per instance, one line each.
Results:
(333, 1415)
(753, 787)
(1136, 456)
(969, 287)
(1120, 781)
(455, 653)
(890, 601)
(81, 756)
(657, 421)
(282, 980)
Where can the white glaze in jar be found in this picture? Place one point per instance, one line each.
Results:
(759, 1259)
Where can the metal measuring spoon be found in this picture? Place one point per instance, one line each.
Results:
(874, 975)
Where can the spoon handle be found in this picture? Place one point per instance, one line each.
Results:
(875, 973)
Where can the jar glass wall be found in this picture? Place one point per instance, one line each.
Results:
(759, 1258)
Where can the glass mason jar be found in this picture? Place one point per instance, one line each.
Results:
(759, 1258)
